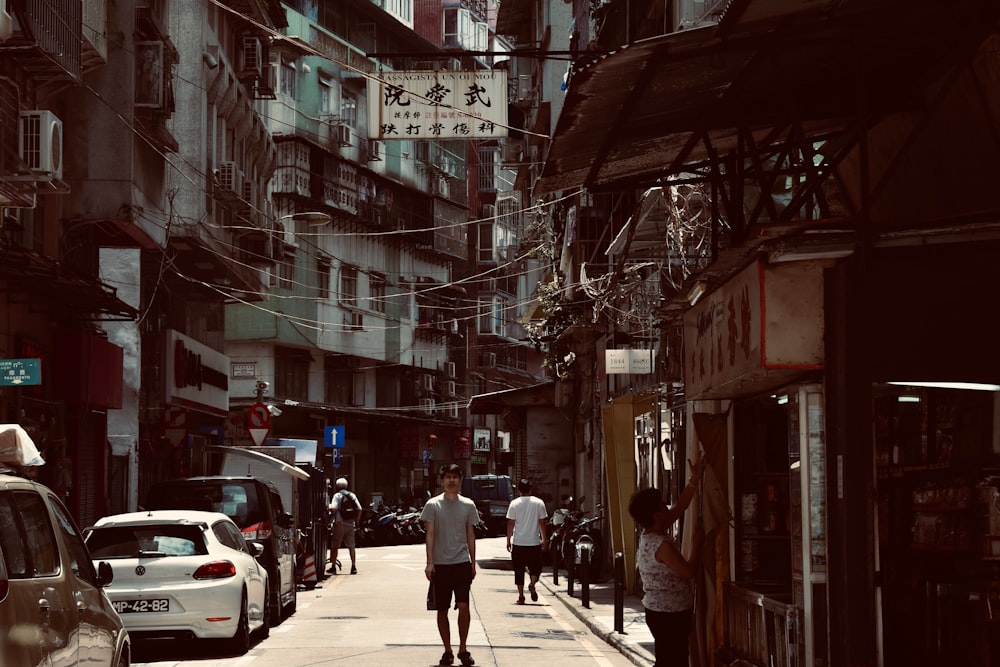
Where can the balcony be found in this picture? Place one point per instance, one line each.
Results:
(47, 43)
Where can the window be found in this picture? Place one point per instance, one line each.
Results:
(286, 269)
(79, 559)
(492, 316)
(376, 290)
(323, 278)
(402, 10)
(325, 96)
(485, 245)
(349, 109)
(291, 374)
(287, 72)
(348, 286)
(458, 30)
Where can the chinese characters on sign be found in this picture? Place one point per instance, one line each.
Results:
(635, 362)
(438, 105)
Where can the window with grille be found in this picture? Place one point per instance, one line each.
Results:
(348, 286)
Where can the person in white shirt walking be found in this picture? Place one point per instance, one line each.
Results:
(526, 538)
(345, 508)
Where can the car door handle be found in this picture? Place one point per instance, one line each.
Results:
(80, 604)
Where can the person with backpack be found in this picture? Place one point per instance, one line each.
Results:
(346, 512)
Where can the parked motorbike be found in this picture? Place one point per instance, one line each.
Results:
(582, 542)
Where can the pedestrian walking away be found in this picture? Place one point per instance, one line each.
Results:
(450, 521)
(526, 538)
(667, 577)
(345, 508)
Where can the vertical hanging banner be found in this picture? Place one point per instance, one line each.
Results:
(438, 105)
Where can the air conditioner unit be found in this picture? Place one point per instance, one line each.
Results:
(230, 182)
(454, 326)
(439, 186)
(253, 56)
(267, 83)
(489, 211)
(374, 150)
(448, 167)
(453, 410)
(40, 141)
(449, 367)
(491, 359)
(428, 406)
(343, 134)
(428, 382)
(449, 388)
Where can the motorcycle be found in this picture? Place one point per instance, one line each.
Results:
(581, 542)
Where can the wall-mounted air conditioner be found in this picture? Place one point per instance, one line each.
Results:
(439, 186)
(40, 141)
(449, 367)
(524, 88)
(428, 406)
(491, 359)
(374, 150)
(343, 134)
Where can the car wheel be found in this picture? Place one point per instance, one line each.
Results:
(274, 602)
(291, 605)
(240, 643)
(265, 628)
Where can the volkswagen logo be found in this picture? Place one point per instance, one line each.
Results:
(140, 570)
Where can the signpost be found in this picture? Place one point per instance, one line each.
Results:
(258, 422)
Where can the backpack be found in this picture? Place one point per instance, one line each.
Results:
(348, 506)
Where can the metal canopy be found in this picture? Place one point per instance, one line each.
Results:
(679, 103)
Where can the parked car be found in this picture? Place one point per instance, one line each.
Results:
(53, 609)
(255, 506)
(492, 495)
(183, 574)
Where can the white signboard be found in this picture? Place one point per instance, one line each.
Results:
(197, 376)
(635, 362)
(438, 105)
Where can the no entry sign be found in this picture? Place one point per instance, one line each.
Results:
(258, 422)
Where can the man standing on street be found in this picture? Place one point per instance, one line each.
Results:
(346, 511)
(450, 520)
(526, 538)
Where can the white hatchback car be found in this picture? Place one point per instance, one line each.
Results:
(183, 574)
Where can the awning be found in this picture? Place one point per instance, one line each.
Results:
(535, 396)
(675, 103)
(69, 295)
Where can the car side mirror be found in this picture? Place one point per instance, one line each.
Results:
(105, 575)
(256, 549)
(285, 520)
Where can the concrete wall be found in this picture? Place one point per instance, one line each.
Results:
(549, 455)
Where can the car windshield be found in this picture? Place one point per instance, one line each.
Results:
(237, 501)
(146, 540)
(486, 488)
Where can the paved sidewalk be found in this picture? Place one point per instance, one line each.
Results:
(635, 643)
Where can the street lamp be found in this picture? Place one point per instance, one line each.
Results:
(311, 218)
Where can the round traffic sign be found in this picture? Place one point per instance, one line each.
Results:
(258, 417)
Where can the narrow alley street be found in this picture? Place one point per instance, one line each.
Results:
(379, 618)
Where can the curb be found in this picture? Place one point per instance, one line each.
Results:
(636, 654)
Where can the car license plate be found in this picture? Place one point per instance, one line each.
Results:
(137, 606)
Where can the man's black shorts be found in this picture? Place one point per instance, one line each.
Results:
(450, 579)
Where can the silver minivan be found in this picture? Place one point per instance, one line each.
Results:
(53, 610)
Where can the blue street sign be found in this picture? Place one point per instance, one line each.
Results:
(336, 458)
(333, 436)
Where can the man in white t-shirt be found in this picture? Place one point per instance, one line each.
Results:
(526, 538)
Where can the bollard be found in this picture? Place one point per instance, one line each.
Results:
(619, 593)
(555, 566)
(585, 577)
(571, 567)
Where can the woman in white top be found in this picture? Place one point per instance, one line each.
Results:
(667, 577)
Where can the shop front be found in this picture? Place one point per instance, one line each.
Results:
(753, 363)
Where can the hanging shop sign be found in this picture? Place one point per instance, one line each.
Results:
(755, 332)
(438, 105)
(633, 362)
(20, 372)
(198, 376)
